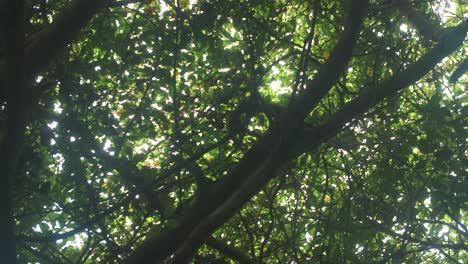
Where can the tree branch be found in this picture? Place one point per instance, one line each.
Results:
(374, 95)
(42, 47)
(258, 178)
(459, 71)
(425, 27)
(230, 251)
(331, 70)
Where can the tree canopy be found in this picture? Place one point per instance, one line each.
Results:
(226, 131)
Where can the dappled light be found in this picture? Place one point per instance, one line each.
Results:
(255, 131)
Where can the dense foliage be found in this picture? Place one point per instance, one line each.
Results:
(225, 131)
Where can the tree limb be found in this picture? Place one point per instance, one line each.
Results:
(42, 47)
(425, 27)
(230, 251)
(374, 95)
(257, 179)
(459, 71)
(331, 70)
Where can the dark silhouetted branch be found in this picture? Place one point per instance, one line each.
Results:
(230, 251)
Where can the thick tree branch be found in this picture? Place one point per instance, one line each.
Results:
(373, 95)
(331, 70)
(258, 178)
(425, 27)
(459, 71)
(45, 45)
(170, 239)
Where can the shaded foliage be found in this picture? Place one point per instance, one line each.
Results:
(255, 131)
